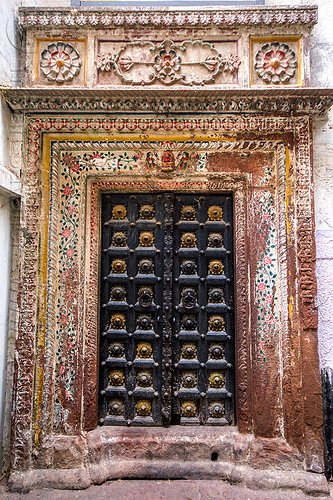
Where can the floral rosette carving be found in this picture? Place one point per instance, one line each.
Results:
(167, 62)
(60, 62)
(275, 63)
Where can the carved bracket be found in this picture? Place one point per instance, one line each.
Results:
(190, 63)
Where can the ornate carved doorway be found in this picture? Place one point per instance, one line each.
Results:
(166, 316)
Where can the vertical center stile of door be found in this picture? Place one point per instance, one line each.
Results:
(167, 309)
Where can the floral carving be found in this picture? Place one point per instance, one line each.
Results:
(146, 266)
(118, 266)
(119, 239)
(216, 323)
(189, 380)
(189, 409)
(60, 62)
(145, 322)
(216, 409)
(188, 267)
(275, 63)
(119, 212)
(188, 212)
(189, 323)
(215, 267)
(144, 379)
(188, 240)
(216, 351)
(146, 212)
(143, 63)
(146, 238)
(216, 380)
(304, 16)
(215, 240)
(116, 407)
(144, 350)
(117, 321)
(143, 408)
(215, 295)
(116, 350)
(116, 377)
(215, 213)
(118, 293)
(167, 62)
(189, 351)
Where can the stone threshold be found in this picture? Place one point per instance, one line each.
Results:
(181, 452)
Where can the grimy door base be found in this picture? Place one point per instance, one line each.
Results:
(110, 453)
(265, 163)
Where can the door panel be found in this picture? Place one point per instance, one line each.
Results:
(202, 347)
(131, 319)
(166, 318)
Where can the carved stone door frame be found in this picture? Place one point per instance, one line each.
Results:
(266, 163)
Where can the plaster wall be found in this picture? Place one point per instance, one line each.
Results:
(9, 189)
(5, 254)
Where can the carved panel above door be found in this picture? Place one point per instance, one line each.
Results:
(187, 63)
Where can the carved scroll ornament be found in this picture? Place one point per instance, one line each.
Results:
(190, 63)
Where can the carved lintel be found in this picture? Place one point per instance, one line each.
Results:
(279, 100)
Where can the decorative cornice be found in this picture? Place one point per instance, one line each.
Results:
(263, 101)
(43, 18)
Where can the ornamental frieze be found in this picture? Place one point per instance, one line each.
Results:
(188, 63)
(77, 18)
(265, 101)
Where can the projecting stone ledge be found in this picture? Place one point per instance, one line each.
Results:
(173, 453)
(300, 101)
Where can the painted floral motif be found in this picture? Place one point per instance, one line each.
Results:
(60, 62)
(266, 275)
(275, 63)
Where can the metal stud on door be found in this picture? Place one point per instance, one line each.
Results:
(166, 319)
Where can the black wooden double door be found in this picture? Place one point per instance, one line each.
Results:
(166, 346)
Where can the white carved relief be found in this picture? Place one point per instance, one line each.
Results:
(60, 62)
(189, 63)
(275, 63)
